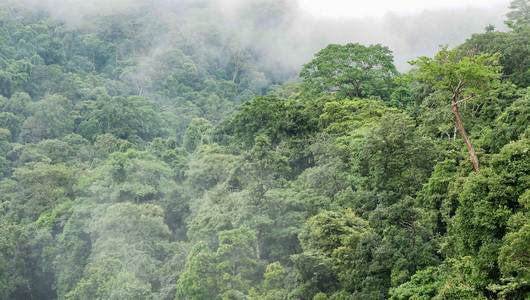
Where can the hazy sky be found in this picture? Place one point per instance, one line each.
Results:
(377, 9)
(410, 28)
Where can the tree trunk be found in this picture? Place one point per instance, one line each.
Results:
(258, 241)
(258, 235)
(116, 50)
(260, 211)
(93, 59)
(236, 71)
(116, 55)
(463, 133)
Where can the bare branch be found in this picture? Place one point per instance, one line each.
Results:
(462, 100)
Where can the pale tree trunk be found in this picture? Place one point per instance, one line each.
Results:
(93, 59)
(116, 55)
(460, 126)
(258, 241)
(260, 211)
(116, 51)
(236, 71)
(463, 133)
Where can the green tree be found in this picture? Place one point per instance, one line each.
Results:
(353, 70)
(342, 117)
(18, 104)
(519, 15)
(44, 80)
(96, 48)
(487, 203)
(127, 286)
(514, 262)
(227, 273)
(398, 160)
(14, 76)
(342, 254)
(14, 260)
(458, 281)
(512, 124)
(73, 247)
(51, 119)
(512, 45)
(199, 280)
(210, 168)
(264, 168)
(461, 78)
(196, 133)
(261, 115)
(131, 118)
(435, 197)
(271, 287)
(422, 285)
(286, 211)
(4, 148)
(133, 176)
(129, 243)
(37, 187)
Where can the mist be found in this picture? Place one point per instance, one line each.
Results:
(193, 149)
(285, 36)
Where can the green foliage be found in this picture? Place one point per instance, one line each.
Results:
(397, 160)
(196, 133)
(435, 196)
(422, 285)
(459, 80)
(207, 171)
(512, 124)
(223, 274)
(458, 283)
(271, 287)
(51, 119)
(513, 47)
(352, 70)
(513, 260)
(127, 118)
(456, 72)
(261, 116)
(73, 249)
(129, 270)
(462, 78)
(133, 176)
(519, 16)
(341, 117)
(127, 286)
(198, 281)
(50, 79)
(13, 267)
(338, 251)
(53, 185)
(487, 202)
(131, 169)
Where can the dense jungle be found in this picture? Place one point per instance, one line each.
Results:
(147, 159)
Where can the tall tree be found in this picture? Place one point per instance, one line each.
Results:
(227, 273)
(519, 16)
(462, 77)
(264, 169)
(353, 70)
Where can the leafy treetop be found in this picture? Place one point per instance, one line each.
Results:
(353, 70)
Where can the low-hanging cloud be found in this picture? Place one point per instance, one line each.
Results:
(285, 36)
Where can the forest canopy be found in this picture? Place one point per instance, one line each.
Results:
(196, 171)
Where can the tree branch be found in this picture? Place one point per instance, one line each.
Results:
(462, 100)
(460, 82)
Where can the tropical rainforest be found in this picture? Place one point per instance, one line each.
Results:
(195, 170)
